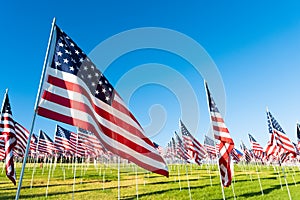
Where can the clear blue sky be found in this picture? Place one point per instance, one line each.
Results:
(254, 45)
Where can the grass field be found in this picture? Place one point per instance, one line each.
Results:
(102, 183)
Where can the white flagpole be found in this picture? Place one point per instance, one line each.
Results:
(136, 182)
(188, 181)
(49, 175)
(261, 189)
(118, 177)
(34, 115)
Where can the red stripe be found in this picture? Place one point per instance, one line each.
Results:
(217, 119)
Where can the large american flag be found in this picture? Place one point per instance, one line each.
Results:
(195, 150)
(210, 146)
(280, 139)
(226, 144)
(45, 144)
(7, 129)
(77, 93)
(62, 141)
(257, 149)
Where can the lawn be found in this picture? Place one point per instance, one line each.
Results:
(101, 182)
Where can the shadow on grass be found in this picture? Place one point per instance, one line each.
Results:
(162, 191)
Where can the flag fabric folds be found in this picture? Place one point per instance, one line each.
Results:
(279, 142)
(226, 143)
(2, 146)
(45, 144)
(62, 141)
(210, 147)
(77, 93)
(298, 136)
(257, 149)
(7, 130)
(247, 154)
(22, 136)
(195, 150)
(180, 150)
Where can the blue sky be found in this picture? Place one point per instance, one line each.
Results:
(255, 47)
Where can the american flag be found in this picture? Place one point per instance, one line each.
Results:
(45, 144)
(2, 145)
(257, 149)
(158, 148)
(195, 150)
(7, 129)
(280, 139)
(226, 144)
(181, 151)
(210, 147)
(92, 145)
(236, 155)
(33, 144)
(22, 136)
(62, 141)
(247, 154)
(77, 93)
(298, 136)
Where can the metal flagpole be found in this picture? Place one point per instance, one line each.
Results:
(137, 183)
(261, 189)
(188, 181)
(35, 107)
(118, 177)
(217, 154)
(6, 92)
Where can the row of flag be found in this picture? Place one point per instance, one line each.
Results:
(75, 92)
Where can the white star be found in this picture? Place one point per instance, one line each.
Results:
(103, 90)
(81, 60)
(61, 44)
(71, 68)
(92, 66)
(76, 51)
(85, 68)
(74, 61)
(97, 92)
(68, 52)
(109, 89)
(89, 76)
(93, 84)
(59, 53)
(82, 76)
(105, 81)
(72, 44)
(66, 61)
(96, 74)
(57, 64)
(100, 82)
(107, 98)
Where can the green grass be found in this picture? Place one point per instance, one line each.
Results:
(90, 185)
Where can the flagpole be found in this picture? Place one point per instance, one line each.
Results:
(217, 154)
(35, 107)
(6, 92)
